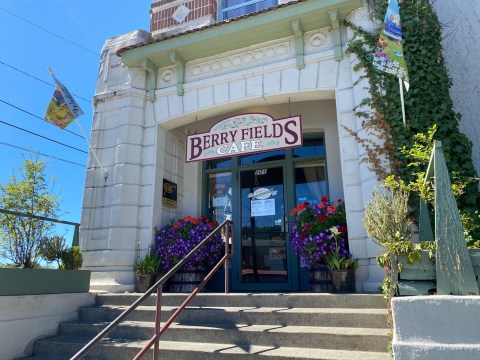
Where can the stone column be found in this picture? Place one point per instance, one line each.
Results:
(111, 226)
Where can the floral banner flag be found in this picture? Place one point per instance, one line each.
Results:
(389, 55)
(63, 108)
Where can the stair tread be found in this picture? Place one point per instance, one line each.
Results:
(253, 327)
(263, 309)
(240, 349)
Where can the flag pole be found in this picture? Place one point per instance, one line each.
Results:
(76, 111)
(105, 174)
(402, 101)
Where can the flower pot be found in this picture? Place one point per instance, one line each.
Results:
(145, 281)
(343, 280)
(186, 280)
(319, 280)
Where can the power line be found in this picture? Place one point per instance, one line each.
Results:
(44, 137)
(36, 78)
(50, 32)
(39, 153)
(38, 117)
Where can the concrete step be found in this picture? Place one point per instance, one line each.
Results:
(375, 318)
(361, 339)
(278, 300)
(233, 326)
(121, 349)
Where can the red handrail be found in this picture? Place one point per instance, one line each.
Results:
(159, 330)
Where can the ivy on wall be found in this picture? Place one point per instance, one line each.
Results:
(427, 103)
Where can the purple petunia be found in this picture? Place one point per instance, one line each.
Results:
(311, 233)
(175, 240)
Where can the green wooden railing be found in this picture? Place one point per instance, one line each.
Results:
(456, 268)
(76, 232)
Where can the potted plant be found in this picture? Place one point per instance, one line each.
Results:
(312, 238)
(146, 271)
(341, 266)
(175, 240)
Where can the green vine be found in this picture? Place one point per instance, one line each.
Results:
(427, 103)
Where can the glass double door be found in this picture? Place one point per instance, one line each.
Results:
(262, 251)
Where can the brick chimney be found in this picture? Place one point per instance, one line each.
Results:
(169, 17)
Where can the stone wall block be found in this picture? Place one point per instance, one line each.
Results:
(344, 80)
(124, 215)
(345, 101)
(221, 93)
(237, 89)
(271, 83)
(254, 87)
(353, 199)
(356, 230)
(349, 148)
(351, 173)
(205, 97)
(129, 154)
(123, 238)
(290, 79)
(125, 194)
(127, 174)
(327, 74)
(175, 104)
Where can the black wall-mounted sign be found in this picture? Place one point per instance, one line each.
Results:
(169, 194)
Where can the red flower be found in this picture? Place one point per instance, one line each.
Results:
(308, 227)
(331, 209)
(321, 205)
(324, 199)
(342, 229)
(303, 235)
(294, 211)
(175, 226)
(203, 218)
(339, 200)
(301, 207)
(181, 221)
(306, 203)
(322, 217)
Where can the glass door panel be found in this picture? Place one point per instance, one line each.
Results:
(264, 257)
(220, 196)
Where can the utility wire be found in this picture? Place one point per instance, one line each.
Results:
(51, 33)
(44, 137)
(36, 78)
(39, 153)
(38, 117)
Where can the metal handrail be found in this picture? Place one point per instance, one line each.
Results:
(159, 330)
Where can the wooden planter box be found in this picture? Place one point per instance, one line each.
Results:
(43, 281)
(420, 278)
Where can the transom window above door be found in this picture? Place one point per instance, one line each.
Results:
(233, 8)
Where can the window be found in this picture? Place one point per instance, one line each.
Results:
(233, 8)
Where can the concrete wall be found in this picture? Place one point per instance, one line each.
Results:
(436, 327)
(460, 32)
(23, 319)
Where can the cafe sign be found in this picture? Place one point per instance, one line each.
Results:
(245, 134)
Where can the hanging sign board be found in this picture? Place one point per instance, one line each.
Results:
(169, 194)
(245, 134)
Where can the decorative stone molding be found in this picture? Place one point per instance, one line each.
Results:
(298, 32)
(237, 61)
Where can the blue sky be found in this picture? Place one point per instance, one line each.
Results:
(26, 47)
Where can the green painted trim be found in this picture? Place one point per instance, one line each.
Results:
(152, 77)
(298, 32)
(337, 41)
(242, 33)
(43, 281)
(179, 63)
